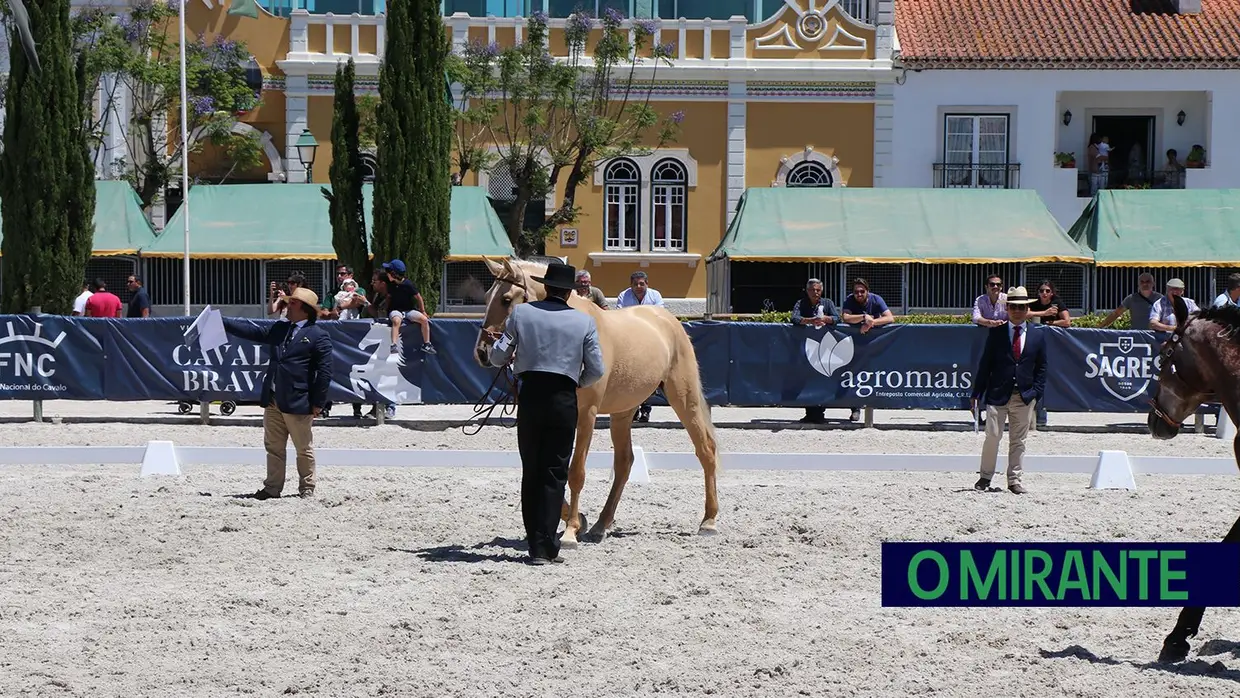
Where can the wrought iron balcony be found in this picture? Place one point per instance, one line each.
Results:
(952, 175)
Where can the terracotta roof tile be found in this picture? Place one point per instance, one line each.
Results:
(1067, 34)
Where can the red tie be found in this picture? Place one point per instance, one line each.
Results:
(1016, 344)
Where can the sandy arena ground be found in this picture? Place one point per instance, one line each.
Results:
(410, 582)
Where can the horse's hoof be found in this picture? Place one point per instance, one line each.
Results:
(707, 528)
(1173, 651)
(568, 543)
(582, 522)
(595, 536)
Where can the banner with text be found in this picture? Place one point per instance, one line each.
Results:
(746, 364)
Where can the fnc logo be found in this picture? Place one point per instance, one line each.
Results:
(1124, 366)
(830, 354)
(29, 364)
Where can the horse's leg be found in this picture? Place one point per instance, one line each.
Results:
(1175, 646)
(622, 464)
(690, 406)
(574, 520)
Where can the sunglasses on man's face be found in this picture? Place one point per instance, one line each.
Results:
(995, 284)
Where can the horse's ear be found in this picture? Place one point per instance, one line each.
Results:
(495, 267)
(1181, 311)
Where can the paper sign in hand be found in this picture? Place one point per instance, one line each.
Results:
(207, 330)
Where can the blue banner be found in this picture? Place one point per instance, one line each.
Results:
(744, 364)
(1060, 574)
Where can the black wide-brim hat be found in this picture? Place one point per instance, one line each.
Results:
(561, 276)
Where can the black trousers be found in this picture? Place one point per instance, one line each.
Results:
(546, 429)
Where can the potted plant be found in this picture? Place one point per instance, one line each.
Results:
(1196, 158)
(1066, 160)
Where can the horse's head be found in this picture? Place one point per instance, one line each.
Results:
(1183, 376)
(512, 286)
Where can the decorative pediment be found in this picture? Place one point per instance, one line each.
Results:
(802, 26)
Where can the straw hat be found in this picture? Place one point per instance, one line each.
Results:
(305, 295)
(1018, 296)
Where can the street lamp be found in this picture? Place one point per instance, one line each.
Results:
(306, 147)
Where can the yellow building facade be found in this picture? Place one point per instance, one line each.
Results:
(800, 98)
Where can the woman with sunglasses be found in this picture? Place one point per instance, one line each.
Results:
(1048, 310)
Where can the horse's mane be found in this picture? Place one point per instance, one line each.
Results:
(1227, 315)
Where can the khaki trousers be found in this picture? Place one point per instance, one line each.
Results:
(278, 427)
(1019, 417)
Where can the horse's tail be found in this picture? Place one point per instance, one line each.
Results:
(685, 363)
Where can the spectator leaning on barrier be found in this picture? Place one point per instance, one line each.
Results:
(1010, 380)
(1138, 305)
(140, 302)
(1162, 315)
(279, 297)
(102, 302)
(815, 311)
(866, 309)
(79, 303)
(989, 310)
(1048, 309)
(639, 293)
(585, 290)
(295, 387)
(1232, 295)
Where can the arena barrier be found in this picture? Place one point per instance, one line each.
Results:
(1108, 469)
(49, 357)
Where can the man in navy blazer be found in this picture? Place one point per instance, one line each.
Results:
(1010, 380)
(295, 387)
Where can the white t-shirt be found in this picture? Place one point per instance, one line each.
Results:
(79, 303)
(628, 299)
(1223, 299)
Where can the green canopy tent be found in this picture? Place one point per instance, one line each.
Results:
(120, 226)
(1162, 228)
(884, 226)
(290, 221)
(928, 226)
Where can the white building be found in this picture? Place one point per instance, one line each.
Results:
(995, 89)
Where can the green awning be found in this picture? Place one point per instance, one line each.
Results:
(1162, 227)
(120, 226)
(931, 226)
(290, 221)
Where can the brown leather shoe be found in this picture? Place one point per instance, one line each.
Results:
(264, 495)
(1018, 489)
(981, 485)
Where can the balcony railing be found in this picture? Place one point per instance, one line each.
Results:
(951, 175)
(1136, 179)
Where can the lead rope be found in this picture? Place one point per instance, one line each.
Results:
(485, 410)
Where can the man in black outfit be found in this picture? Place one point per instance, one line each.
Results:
(1010, 379)
(559, 351)
(299, 374)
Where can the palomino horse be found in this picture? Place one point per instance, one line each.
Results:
(1200, 362)
(642, 347)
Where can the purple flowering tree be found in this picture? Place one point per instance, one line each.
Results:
(556, 119)
(140, 48)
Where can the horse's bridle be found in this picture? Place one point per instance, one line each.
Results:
(504, 378)
(1165, 358)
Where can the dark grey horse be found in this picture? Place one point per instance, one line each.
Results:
(1199, 363)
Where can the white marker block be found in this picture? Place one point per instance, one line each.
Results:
(640, 473)
(160, 459)
(1114, 472)
(1226, 428)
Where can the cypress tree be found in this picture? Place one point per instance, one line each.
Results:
(47, 181)
(346, 205)
(413, 184)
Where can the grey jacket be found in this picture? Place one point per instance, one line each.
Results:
(553, 338)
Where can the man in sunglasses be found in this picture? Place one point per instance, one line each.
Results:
(990, 308)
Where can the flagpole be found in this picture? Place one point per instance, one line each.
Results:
(184, 162)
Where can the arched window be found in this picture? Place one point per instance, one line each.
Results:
(370, 167)
(809, 174)
(670, 190)
(621, 187)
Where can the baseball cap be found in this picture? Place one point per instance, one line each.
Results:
(1175, 283)
(395, 265)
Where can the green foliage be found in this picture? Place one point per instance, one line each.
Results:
(413, 186)
(141, 47)
(345, 203)
(46, 173)
(553, 119)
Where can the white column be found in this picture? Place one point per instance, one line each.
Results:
(296, 118)
(884, 129)
(736, 145)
